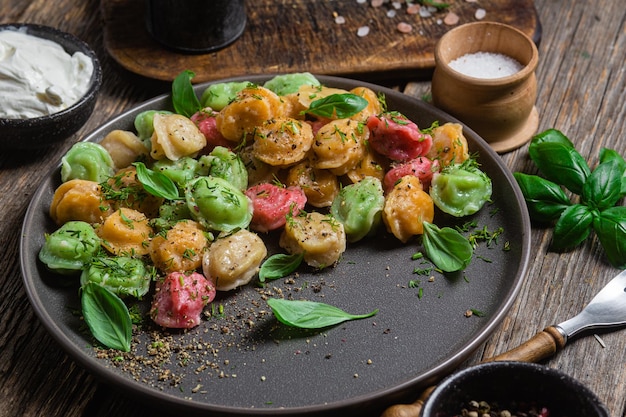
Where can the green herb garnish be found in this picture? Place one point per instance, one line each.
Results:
(156, 183)
(279, 265)
(310, 314)
(339, 106)
(106, 316)
(184, 97)
(448, 249)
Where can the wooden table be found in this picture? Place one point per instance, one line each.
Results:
(582, 81)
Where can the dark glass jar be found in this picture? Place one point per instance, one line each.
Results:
(195, 26)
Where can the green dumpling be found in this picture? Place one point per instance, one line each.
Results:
(217, 204)
(171, 212)
(68, 249)
(144, 124)
(122, 275)
(225, 164)
(87, 161)
(217, 96)
(460, 190)
(290, 83)
(180, 171)
(359, 207)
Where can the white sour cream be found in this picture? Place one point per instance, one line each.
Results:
(37, 76)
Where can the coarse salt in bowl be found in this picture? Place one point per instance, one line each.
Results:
(485, 77)
(486, 65)
(23, 129)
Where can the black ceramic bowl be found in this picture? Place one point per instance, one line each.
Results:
(42, 131)
(509, 383)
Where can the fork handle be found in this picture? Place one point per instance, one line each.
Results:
(541, 346)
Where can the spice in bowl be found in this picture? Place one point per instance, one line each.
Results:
(485, 409)
(38, 77)
(486, 65)
(512, 389)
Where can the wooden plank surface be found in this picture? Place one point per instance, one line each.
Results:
(581, 81)
(302, 35)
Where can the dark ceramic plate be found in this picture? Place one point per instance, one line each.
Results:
(242, 362)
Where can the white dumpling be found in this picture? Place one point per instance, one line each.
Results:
(175, 136)
(321, 237)
(232, 261)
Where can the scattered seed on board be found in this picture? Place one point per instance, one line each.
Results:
(404, 27)
(363, 31)
(451, 19)
(480, 14)
(413, 9)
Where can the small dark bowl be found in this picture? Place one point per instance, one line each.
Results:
(507, 382)
(39, 132)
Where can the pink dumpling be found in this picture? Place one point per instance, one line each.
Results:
(420, 167)
(272, 203)
(397, 138)
(205, 120)
(180, 298)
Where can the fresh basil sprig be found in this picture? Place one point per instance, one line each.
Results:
(311, 314)
(106, 316)
(448, 249)
(609, 155)
(603, 187)
(339, 106)
(610, 227)
(545, 200)
(156, 183)
(184, 98)
(555, 156)
(279, 265)
(572, 227)
(599, 190)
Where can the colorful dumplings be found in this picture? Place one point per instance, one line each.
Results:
(183, 206)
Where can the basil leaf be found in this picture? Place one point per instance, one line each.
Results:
(106, 316)
(280, 265)
(437, 4)
(603, 188)
(545, 200)
(184, 97)
(552, 136)
(572, 228)
(559, 161)
(610, 227)
(310, 314)
(156, 183)
(609, 155)
(338, 106)
(448, 249)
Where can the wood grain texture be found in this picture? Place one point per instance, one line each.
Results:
(301, 35)
(581, 84)
(581, 80)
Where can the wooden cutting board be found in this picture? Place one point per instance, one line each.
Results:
(285, 36)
